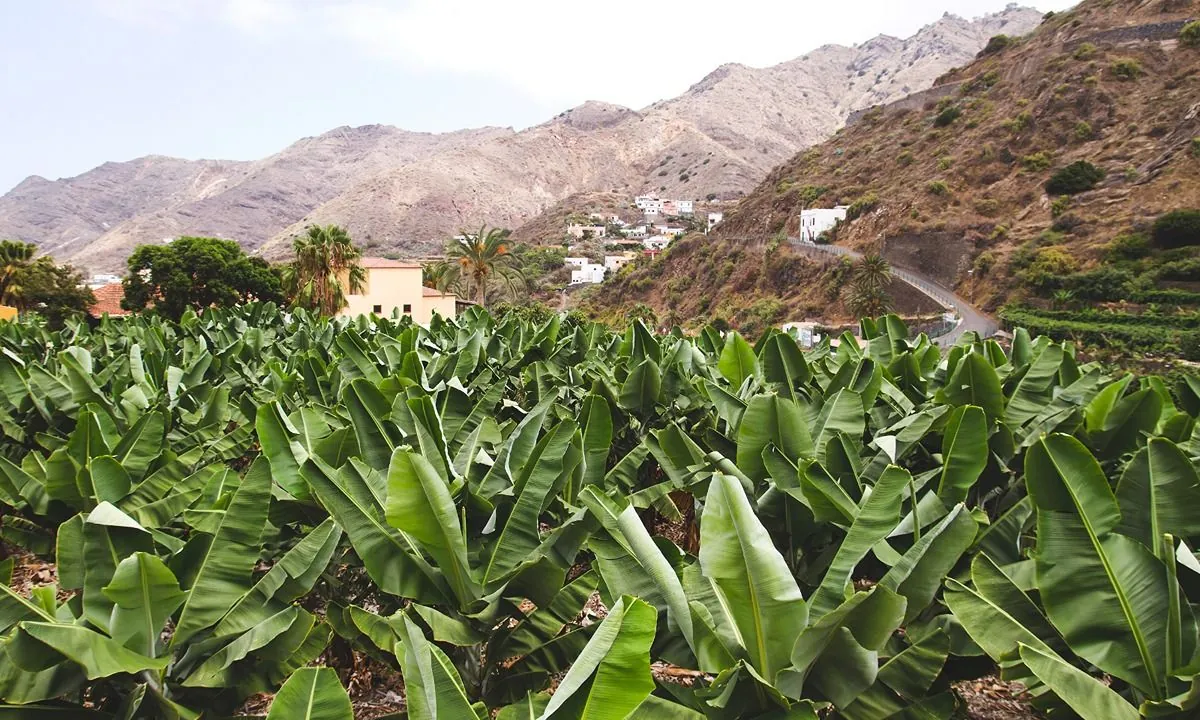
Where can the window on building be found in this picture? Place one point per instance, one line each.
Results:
(377, 309)
(407, 309)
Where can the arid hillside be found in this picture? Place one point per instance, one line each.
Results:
(953, 182)
(406, 192)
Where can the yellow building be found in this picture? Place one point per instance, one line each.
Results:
(395, 285)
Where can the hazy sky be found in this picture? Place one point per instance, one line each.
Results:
(85, 81)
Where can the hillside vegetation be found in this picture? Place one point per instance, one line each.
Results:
(1027, 174)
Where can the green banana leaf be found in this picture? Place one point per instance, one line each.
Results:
(97, 655)
(737, 361)
(1158, 493)
(1089, 697)
(312, 694)
(964, 453)
(419, 504)
(878, 515)
(1105, 592)
(146, 593)
(224, 572)
(751, 578)
(611, 677)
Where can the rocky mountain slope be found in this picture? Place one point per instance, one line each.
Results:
(405, 192)
(952, 183)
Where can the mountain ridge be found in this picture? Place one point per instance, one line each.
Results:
(403, 192)
(954, 186)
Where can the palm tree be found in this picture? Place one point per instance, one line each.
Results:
(442, 275)
(14, 257)
(325, 270)
(478, 257)
(873, 272)
(868, 288)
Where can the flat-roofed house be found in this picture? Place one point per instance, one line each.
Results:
(397, 285)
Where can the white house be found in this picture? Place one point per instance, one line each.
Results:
(589, 274)
(816, 221)
(581, 232)
(659, 242)
(714, 218)
(635, 232)
(805, 333)
(673, 232)
(577, 262)
(613, 263)
(648, 204)
(99, 281)
(685, 207)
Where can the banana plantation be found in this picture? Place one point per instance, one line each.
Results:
(554, 520)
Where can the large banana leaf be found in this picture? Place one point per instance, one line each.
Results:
(1092, 699)
(420, 505)
(432, 686)
(737, 361)
(875, 520)
(97, 655)
(224, 572)
(312, 694)
(391, 560)
(1158, 493)
(771, 420)
(964, 453)
(751, 578)
(1105, 592)
(146, 593)
(611, 677)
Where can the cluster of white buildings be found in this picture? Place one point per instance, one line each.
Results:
(817, 221)
(652, 205)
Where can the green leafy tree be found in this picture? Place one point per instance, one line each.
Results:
(325, 270)
(196, 273)
(54, 291)
(478, 257)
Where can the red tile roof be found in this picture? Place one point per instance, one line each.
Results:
(108, 301)
(378, 262)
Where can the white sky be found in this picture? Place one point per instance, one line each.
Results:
(103, 80)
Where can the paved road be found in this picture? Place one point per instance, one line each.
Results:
(972, 318)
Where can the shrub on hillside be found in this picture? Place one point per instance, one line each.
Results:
(1127, 69)
(1128, 248)
(905, 158)
(1083, 131)
(1196, 147)
(1189, 36)
(1086, 51)
(861, 206)
(1038, 161)
(1179, 228)
(1079, 176)
(938, 187)
(947, 116)
(1048, 267)
(1105, 283)
(1020, 123)
(995, 44)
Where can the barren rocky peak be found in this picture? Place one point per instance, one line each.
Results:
(404, 192)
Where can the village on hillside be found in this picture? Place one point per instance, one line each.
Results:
(603, 244)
